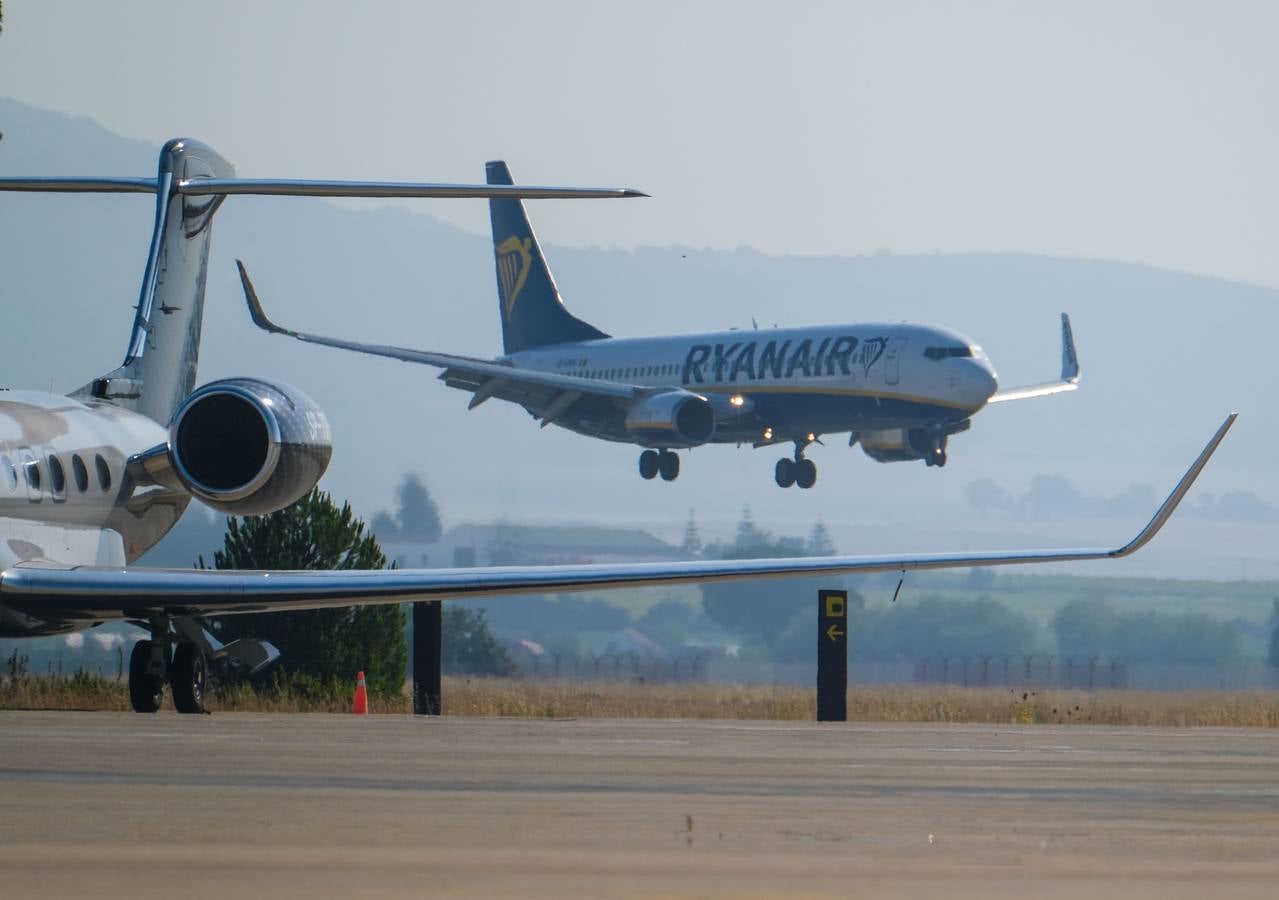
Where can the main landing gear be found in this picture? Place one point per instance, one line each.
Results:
(800, 471)
(182, 653)
(150, 666)
(659, 462)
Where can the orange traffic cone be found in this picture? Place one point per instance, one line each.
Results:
(360, 706)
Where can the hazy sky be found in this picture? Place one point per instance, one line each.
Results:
(1134, 131)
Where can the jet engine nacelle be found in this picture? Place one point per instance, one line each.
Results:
(246, 446)
(894, 444)
(675, 418)
(904, 444)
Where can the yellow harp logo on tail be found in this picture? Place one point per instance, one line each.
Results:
(513, 262)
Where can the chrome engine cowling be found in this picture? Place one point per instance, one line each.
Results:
(675, 418)
(246, 446)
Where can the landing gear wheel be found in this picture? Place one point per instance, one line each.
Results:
(805, 473)
(784, 473)
(189, 677)
(941, 457)
(648, 464)
(668, 465)
(146, 692)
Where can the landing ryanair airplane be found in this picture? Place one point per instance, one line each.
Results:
(900, 390)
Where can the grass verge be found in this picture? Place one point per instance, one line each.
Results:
(567, 699)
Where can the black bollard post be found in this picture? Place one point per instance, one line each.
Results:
(428, 652)
(832, 656)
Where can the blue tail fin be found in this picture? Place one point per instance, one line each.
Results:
(532, 313)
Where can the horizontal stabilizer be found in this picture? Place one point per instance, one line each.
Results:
(294, 188)
(80, 185)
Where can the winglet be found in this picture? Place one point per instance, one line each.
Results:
(1069, 380)
(1069, 361)
(1170, 505)
(255, 306)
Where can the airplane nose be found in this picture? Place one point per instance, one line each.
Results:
(984, 381)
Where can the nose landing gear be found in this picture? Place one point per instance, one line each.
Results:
(937, 453)
(800, 471)
(659, 462)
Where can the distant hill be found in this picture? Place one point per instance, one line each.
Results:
(1165, 355)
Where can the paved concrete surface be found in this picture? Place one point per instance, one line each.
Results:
(117, 805)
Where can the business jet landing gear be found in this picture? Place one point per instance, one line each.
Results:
(659, 462)
(149, 668)
(188, 676)
(799, 471)
(146, 690)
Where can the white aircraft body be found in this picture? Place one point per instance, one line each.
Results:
(899, 389)
(90, 480)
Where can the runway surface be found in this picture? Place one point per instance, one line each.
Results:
(118, 805)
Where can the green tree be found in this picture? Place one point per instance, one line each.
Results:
(469, 646)
(819, 542)
(748, 534)
(1093, 627)
(914, 630)
(326, 647)
(692, 545)
(760, 609)
(416, 516)
(419, 516)
(984, 495)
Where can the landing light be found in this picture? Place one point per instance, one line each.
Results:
(811, 437)
(768, 434)
(736, 400)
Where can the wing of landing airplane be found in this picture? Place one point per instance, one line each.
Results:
(90, 594)
(1069, 372)
(546, 391)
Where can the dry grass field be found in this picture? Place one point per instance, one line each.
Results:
(604, 699)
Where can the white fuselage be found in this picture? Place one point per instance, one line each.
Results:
(782, 384)
(67, 494)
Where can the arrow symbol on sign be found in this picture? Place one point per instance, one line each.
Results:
(834, 632)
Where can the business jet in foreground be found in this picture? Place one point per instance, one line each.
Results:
(899, 389)
(90, 480)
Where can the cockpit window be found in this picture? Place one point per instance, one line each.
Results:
(936, 353)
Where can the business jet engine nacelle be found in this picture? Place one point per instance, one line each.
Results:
(675, 418)
(245, 446)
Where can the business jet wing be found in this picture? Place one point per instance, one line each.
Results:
(1069, 372)
(93, 594)
(546, 391)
